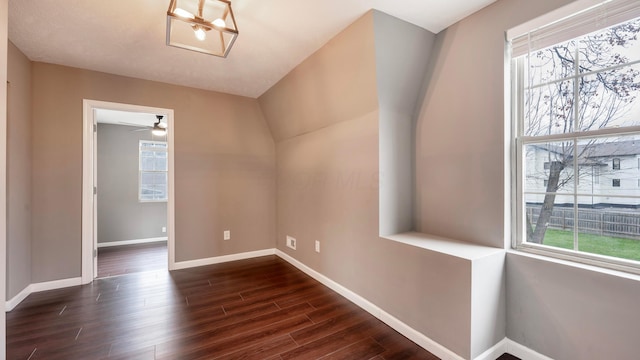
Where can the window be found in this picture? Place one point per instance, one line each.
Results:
(153, 171)
(576, 106)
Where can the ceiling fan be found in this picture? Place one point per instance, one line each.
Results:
(159, 128)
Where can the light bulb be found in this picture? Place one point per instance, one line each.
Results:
(200, 34)
(183, 13)
(219, 22)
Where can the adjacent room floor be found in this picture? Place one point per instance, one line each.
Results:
(127, 259)
(262, 308)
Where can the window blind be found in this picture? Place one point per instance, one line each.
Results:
(593, 18)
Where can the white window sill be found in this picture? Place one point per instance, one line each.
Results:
(574, 264)
(443, 245)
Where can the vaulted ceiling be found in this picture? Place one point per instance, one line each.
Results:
(127, 37)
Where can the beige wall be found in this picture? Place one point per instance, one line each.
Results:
(338, 82)
(324, 118)
(328, 190)
(18, 172)
(224, 166)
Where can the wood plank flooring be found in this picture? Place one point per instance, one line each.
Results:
(260, 308)
(127, 259)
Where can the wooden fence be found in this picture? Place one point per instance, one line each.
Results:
(605, 222)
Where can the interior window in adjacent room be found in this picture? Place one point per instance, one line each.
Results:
(153, 168)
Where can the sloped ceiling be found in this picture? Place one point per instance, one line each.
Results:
(127, 37)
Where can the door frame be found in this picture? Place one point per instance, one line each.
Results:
(89, 164)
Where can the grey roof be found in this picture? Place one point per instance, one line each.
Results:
(599, 149)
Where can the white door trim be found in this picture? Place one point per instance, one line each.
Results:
(88, 163)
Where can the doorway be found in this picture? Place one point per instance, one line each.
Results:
(93, 118)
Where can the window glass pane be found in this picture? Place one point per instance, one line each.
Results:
(160, 192)
(147, 163)
(551, 223)
(549, 167)
(607, 99)
(608, 47)
(611, 229)
(549, 109)
(146, 178)
(160, 178)
(160, 164)
(608, 166)
(553, 63)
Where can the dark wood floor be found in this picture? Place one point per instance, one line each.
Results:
(261, 308)
(127, 259)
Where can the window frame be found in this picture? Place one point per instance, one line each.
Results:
(515, 88)
(140, 171)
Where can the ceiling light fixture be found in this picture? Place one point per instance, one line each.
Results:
(206, 26)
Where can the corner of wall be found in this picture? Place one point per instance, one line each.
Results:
(18, 171)
(400, 71)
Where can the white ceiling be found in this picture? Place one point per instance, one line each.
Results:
(127, 37)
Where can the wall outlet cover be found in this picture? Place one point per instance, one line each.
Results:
(227, 234)
(317, 246)
(291, 242)
(164, 229)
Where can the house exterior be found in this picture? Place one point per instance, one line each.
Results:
(608, 174)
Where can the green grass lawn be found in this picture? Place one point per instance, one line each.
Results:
(595, 244)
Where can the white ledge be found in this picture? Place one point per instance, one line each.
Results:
(443, 245)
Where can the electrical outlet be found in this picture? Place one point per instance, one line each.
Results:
(291, 242)
(227, 234)
(164, 229)
(317, 246)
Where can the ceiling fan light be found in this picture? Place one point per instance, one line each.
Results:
(158, 131)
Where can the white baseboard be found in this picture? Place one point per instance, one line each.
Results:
(13, 302)
(131, 242)
(522, 351)
(221, 259)
(37, 287)
(414, 335)
(56, 284)
(495, 351)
